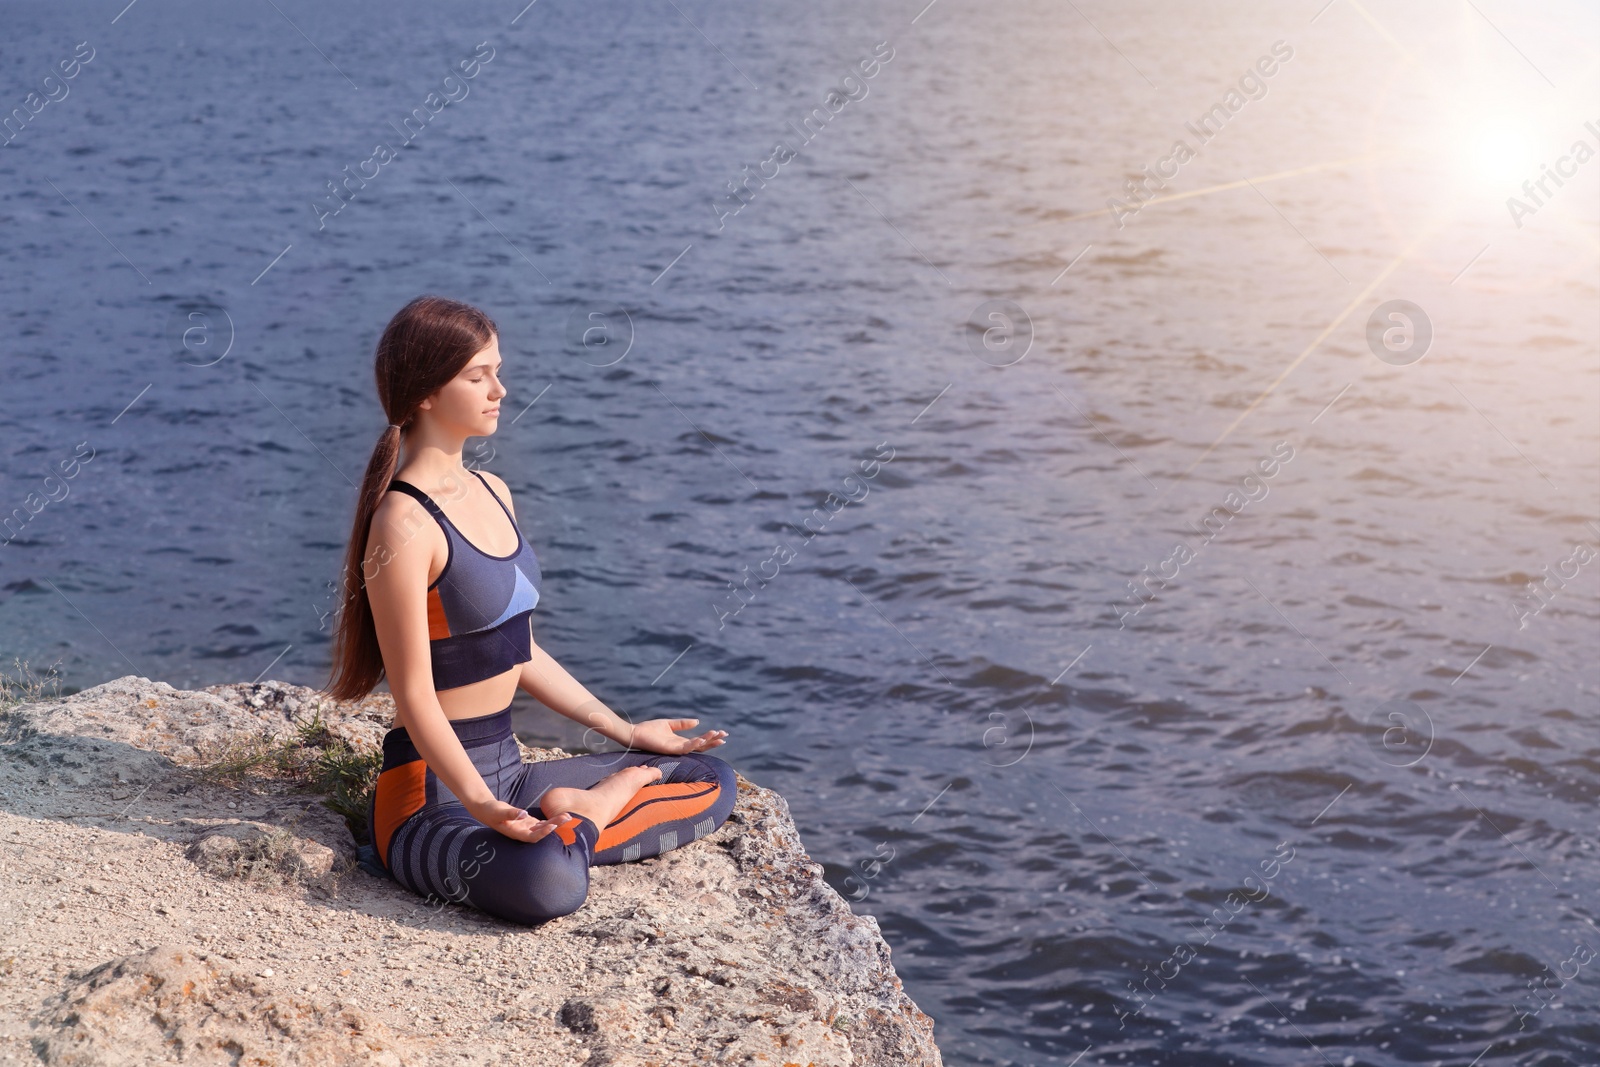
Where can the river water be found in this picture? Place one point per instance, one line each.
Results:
(1319, 788)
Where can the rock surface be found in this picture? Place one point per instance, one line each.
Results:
(170, 1004)
(151, 917)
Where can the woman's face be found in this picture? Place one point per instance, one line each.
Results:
(469, 404)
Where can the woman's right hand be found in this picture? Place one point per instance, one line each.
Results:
(519, 824)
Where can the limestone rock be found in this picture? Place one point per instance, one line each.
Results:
(731, 949)
(258, 851)
(174, 1004)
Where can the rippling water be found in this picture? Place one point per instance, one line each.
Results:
(1320, 789)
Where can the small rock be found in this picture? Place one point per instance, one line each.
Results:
(217, 853)
(578, 1016)
(260, 852)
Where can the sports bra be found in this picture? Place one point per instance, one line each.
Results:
(479, 607)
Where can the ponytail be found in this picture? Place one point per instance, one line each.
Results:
(425, 345)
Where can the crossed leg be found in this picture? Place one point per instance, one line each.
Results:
(443, 853)
(693, 796)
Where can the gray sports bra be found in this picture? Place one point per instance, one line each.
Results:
(480, 605)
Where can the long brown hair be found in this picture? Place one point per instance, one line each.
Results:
(425, 345)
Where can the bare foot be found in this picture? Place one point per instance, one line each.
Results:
(602, 801)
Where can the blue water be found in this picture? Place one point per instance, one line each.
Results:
(1041, 781)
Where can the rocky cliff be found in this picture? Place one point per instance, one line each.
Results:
(173, 893)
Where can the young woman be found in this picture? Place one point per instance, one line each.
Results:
(439, 592)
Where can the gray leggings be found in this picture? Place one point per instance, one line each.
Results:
(429, 843)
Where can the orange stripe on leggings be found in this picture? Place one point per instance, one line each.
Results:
(401, 792)
(672, 800)
(656, 796)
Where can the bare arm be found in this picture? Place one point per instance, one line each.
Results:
(553, 686)
(396, 566)
(549, 683)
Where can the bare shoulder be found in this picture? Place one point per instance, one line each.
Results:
(394, 507)
(397, 520)
(500, 488)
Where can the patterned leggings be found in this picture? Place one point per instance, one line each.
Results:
(429, 843)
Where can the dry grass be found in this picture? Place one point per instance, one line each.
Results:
(249, 761)
(270, 857)
(312, 759)
(274, 859)
(27, 688)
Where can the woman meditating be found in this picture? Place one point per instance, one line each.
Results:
(439, 592)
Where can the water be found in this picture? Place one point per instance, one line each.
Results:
(1341, 690)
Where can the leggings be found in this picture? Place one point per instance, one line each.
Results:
(429, 843)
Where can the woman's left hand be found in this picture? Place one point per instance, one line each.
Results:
(657, 735)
